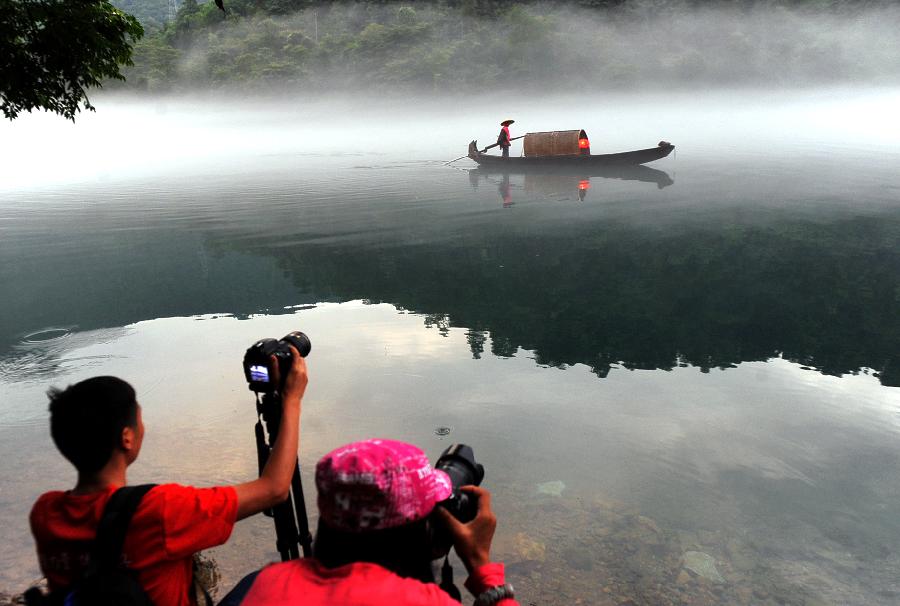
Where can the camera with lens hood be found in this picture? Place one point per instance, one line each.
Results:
(258, 367)
(458, 462)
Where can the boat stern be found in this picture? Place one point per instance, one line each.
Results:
(473, 149)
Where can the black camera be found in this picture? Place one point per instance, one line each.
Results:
(258, 364)
(458, 462)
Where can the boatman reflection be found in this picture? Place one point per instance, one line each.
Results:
(505, 193)
(583, 186)
(503, 139)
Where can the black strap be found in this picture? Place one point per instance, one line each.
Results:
(447, 583)
(107, 549)
(236, 596)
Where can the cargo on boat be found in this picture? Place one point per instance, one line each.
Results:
(557, 143)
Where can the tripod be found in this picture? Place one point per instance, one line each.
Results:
(291, 523)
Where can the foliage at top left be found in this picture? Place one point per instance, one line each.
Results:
(52, 51)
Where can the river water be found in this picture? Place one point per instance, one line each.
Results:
(682, 380)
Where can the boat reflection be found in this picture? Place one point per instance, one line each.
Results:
(563, 181)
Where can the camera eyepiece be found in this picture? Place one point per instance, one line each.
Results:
(258, 364)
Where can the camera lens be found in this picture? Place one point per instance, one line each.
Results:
(300, 341)
(458, 462)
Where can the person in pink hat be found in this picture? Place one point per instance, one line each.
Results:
(373, 547)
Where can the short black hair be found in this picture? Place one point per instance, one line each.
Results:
(87, 419)
(404, 550)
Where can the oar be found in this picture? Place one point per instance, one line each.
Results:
(482, 151)
(496, 144)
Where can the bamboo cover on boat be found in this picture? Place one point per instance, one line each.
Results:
(555, 143)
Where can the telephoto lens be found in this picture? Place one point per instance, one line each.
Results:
(458, 462)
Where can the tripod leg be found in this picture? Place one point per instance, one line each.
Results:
(262, 449)
(288, 513)
(305, 537)
(286, 539)
(262, 454)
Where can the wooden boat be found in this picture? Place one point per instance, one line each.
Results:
(570, 149)
(629, 158)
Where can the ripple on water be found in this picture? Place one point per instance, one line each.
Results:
(46, 335)
(38, 356)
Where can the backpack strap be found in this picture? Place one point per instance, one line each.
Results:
(107, 550)
(199, 590)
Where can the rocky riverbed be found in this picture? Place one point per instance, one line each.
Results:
(607, 554)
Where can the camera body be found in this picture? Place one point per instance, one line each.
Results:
(458, 462)
(258, 368)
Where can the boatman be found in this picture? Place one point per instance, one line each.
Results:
(503, 139)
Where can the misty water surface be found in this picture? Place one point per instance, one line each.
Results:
(696, 357)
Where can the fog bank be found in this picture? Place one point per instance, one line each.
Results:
(528, 48)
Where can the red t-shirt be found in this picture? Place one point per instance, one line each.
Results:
(306, 582)
(171, 523)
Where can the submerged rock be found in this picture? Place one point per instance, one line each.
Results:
(703, 565)
(528, 549)
(553, 488)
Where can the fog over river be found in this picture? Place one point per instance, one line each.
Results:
(683, 380)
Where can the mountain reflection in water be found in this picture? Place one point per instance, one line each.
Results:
(822, 295)
(644, 289)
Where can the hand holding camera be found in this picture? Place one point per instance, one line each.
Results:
(269, 363)
(296, 380)
(472, 540)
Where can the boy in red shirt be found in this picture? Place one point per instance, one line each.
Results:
(97, 426)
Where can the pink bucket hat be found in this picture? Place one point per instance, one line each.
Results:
(377, 484)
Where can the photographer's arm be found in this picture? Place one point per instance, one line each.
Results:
(274, 482)
(472, 542)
